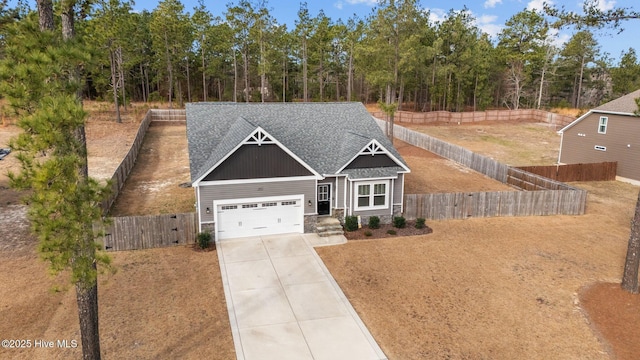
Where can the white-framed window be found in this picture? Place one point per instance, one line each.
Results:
(372, 195)
(600, 147)
(323, 192)
(602, 125)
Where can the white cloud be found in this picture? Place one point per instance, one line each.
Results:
(366, 2)
(538, 5)
(338, 5)
(437, 15)
(558, 39)
(491, 3)
(487, 24)
(605, 5)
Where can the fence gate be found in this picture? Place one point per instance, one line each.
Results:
(145, 232)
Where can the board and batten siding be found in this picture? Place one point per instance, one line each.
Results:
(397, 190)
(622, 142)
(208, 193)
(339, 192)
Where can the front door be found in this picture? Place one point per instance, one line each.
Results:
(324, 199)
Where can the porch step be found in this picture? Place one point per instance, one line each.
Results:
(328, 227)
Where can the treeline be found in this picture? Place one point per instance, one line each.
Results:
(395, 54)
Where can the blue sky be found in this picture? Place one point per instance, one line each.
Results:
(490, 14)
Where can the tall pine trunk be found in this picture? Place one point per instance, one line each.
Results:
(632, 261)
(114, 85)
(235, 77)
(204, 74)
(120, 65)
(305, 91)
(85, 252)
(169, 70)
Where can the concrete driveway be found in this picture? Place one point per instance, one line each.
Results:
(284, 304)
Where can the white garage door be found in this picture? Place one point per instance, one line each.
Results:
(260, 217)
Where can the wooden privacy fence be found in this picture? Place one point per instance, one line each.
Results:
(468, 158)
(555, 120)
(168, 115)
(123, 170)
(541, 196)
(525, 180)
(605, 171)
(492, 204)
(145, 232)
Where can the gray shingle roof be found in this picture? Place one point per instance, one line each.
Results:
(623, 104)
(323, 135)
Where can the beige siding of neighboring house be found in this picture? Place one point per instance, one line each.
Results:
(208, 193)
(622, 142)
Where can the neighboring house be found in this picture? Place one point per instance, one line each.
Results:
(269, 168)
(610, 132)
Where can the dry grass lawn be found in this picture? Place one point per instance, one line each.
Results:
(498, 288)
(516, 144)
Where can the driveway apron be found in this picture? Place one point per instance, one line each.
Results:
(284, 304)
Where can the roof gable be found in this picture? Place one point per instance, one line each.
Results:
(324, 136)
(254, 163)
(624, 105)
(373, 155)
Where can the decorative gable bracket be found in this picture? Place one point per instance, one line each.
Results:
(373, 148)
(259, 137)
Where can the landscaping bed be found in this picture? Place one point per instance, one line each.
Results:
(387, 231)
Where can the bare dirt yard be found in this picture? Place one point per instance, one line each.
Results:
(431, 173)
(497, 288)
(512, 143)
(154, 185)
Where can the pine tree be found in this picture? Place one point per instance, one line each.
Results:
(40, 82)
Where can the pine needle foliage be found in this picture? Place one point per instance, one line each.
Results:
(36, 78)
